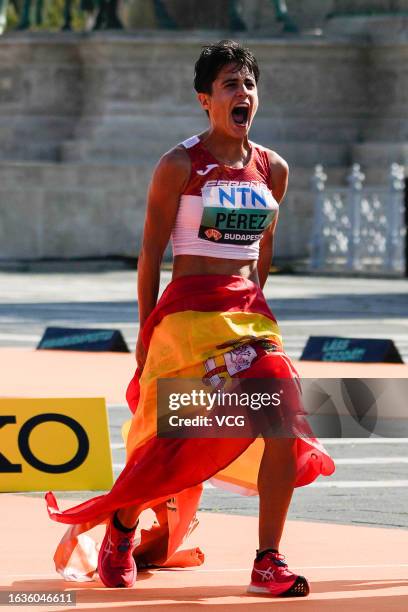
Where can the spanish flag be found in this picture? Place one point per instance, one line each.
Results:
(212, 328)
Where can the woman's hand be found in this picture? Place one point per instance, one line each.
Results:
(140, 353)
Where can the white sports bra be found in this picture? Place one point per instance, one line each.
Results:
(223, 211)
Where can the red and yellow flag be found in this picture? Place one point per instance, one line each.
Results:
(195, 331)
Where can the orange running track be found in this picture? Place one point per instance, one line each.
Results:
(30, 373)
(351, 569)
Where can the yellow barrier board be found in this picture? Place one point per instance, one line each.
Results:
(60, 444)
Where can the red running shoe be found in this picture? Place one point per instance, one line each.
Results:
(116, 566)
(271, 576)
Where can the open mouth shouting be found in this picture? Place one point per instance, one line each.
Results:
(240, 115)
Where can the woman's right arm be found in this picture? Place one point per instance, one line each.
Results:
(169, 180)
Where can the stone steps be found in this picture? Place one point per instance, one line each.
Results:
(48, 176)
(131, 150)
(380, 153)
(24, 174)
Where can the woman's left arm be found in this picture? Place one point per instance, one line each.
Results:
(279, 173)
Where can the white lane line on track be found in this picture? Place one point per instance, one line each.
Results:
(345, 484)
(324, 441)
(329, 441)
(340, 461)
(298, 567)
(323, 322)
(6, 336)
(332, 484)
(370, 460)
(220, 569)
(360, 484)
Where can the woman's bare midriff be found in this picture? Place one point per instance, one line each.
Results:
(186, 265)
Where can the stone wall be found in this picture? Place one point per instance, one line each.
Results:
(41, 87)
(126, 98)
(50, 210)
(83, 120)
(138, 100)
(357, 7)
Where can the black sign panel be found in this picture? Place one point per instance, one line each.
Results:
(356, 350)
(70, 339)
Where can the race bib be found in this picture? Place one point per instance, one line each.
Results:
(236, 212)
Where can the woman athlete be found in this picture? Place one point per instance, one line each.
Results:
(226, 83)
(216, 196)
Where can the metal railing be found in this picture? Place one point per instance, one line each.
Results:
(358, 228)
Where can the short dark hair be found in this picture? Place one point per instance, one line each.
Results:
(214, 57)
